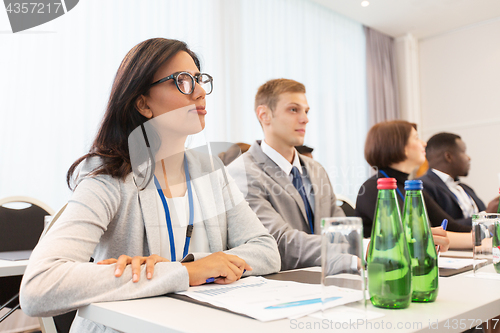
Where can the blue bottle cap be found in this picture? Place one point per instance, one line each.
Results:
(413, 185)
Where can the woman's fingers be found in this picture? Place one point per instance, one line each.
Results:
(136, 263)
(230, 278)
(150, 264)
(239, 262)
(223, 267)
(121, 263)
(150, 267)
(136, 267)
(440, 239)
(107, 261)
(438, 231)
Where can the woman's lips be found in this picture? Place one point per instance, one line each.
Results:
(200, 110)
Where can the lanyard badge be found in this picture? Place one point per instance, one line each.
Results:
(189, 230)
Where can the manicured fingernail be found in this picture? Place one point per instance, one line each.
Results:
(149, 275)
(117, 272)
(135, 278)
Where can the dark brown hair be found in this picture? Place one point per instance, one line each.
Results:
(133, 78)
(269, 93)
(386, 141)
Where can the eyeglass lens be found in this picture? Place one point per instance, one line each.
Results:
(185, 82)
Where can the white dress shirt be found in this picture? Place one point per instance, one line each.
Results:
(287, 168)
(179, 214)
(466, 203)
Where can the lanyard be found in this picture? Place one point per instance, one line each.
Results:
(397, 189)
(189, 230)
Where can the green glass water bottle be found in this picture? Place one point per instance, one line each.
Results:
(495, 245)
(389, 267)
(424, 264)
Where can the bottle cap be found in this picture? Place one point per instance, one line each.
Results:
(412, 185)
(386, 184)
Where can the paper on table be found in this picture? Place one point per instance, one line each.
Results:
(346, 314)
(266, 300)
(456, 263)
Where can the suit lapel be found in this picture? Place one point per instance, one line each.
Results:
(203, 184)
(148, 203)
(313, 174)
(275, 172)
(439, 182)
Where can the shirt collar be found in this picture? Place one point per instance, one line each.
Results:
(280, 160)
(446, 178)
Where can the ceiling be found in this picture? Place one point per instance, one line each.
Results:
(422, 18)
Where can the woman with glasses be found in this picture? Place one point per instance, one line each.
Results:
(154, 217)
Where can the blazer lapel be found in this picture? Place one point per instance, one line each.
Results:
(275, 172)
(439, 182)
(204, 184)
(319, 209)
(148, 203)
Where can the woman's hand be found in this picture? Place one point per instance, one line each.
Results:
(226, 268)
(136, 263)
(440, 239)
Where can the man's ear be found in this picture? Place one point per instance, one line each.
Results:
(141, 105)
(263, 114)
(448, 157)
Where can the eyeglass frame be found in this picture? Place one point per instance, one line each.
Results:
(195, 79)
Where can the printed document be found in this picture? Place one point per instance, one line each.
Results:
(266, 300)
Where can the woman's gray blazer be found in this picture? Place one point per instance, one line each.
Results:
(107, 217)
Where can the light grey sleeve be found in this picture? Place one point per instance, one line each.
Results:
(247, 237)
(297, 248)
(59, 276)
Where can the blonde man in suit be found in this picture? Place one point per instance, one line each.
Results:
(289, 192)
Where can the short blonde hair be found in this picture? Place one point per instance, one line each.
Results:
(269, 93)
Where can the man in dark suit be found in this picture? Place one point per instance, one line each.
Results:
(448, 160)
(269, 171)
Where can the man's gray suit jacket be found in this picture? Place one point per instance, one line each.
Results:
(280, 208)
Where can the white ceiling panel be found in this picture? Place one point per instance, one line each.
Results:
(422, 18)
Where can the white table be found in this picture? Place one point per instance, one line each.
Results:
(460, 298)
(12, 268)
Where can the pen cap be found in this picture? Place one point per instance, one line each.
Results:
(414, 185)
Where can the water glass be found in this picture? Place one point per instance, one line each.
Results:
(342, 261)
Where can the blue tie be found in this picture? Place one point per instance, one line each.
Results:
(297, 182)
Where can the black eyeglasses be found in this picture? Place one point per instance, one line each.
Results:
(185, 82)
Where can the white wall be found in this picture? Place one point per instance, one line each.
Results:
(460, 93)
(55, 80)
(407, 64)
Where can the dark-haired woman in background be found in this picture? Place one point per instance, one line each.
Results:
(395, 150)
(120, 217)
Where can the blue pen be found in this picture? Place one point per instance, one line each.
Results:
(444, 225)
(211, 280)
